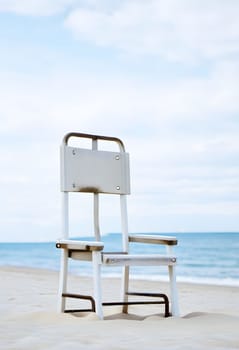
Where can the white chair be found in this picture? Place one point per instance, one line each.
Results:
(101, 171)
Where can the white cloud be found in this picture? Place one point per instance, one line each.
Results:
(177, 31)
(53, 7)
(120, 103)
(35, 7)
(185, 31)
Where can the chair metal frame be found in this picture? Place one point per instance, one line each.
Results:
(79, 174)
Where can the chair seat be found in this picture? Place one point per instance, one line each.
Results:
(79, 245)
(138, 260)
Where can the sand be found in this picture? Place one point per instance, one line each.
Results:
(209, 317)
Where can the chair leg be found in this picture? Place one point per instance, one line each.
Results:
(63, 280)
(96, 257)
(173, 291)
(125, 288)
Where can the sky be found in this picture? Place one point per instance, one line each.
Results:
(162, 75)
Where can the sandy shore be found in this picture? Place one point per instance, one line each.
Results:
(209, 317)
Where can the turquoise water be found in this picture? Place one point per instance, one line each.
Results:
(202, 257)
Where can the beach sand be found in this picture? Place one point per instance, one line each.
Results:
(28, 298)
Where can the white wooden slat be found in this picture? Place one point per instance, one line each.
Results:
(79, 245)
(138, 260)
(154, 239)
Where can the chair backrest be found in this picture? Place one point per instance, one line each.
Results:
(95, 171)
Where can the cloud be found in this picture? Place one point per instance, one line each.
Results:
(35, 7)
(185, 31)
(188, 104)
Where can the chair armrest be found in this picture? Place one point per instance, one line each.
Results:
(153, 239)
(79, 245)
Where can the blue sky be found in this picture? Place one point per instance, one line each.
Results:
(161, 75)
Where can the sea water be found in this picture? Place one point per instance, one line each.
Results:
(211, 258)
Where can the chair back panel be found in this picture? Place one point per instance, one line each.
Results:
(95, 171)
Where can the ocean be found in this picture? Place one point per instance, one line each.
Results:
(209, 258)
